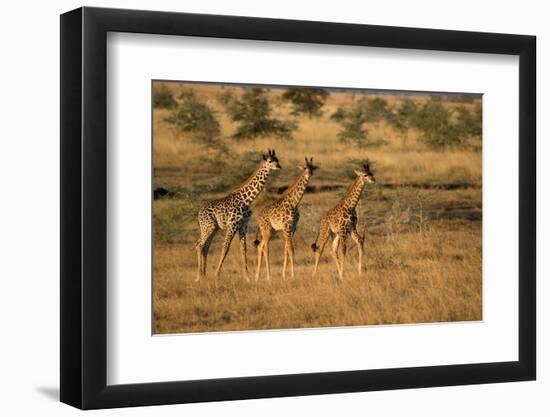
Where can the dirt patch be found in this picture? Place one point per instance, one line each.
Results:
(333, 187)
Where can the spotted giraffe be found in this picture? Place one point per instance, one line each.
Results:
(231, 214)
(340, 221)
(283, 215)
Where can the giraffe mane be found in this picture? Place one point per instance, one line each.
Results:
(294, 185)
(249, 179)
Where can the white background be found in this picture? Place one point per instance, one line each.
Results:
(134, 356)
(29, 222)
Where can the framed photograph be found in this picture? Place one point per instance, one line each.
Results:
(257, 208)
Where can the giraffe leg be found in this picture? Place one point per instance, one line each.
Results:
(286, 253)
(342, 248)
(289, 253)
(359, 242)
(285, 258)
(266, 258)
(259, 265)
(225, 248)
(242, 239)
(324, 234)
(199, 265)
(265, 230)
(203, 245)
(206, 250)
(335, 244)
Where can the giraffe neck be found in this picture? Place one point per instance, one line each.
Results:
(253, 185)
(296, 191)
(354, 194)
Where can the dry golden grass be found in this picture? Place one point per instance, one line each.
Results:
(418, 269)
(410, 279)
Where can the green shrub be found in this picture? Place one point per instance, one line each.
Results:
(438, 131)
(308, 101)
(376, 109)
(163, 97)
(462, 98)
(173, 218)
(340, 114)
(478, 121)
(225, 98)
(235, 170)
(253, 113)
(402, 118)
(470, 124)
(352, 120)
(193, 116)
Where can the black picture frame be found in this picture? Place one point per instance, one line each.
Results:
(84, 207)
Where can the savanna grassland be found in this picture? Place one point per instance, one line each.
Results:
(421, 219)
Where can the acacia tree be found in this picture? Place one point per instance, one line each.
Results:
(468, 123)
(437, 127)
(401, 118)
(352, 120)
(306, 100)
(193, 116)
(163, 98)
(478, 120)
(253, 113)
(376, 109)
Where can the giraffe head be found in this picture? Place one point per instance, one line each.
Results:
(365, 173)
(309, 167)
(271, 161)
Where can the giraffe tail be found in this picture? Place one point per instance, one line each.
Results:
(314, 246)
(256, 240)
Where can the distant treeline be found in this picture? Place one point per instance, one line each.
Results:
(440, 126)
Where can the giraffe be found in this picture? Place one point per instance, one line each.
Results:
(283, 216)
(231, 214)
(341, 221)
